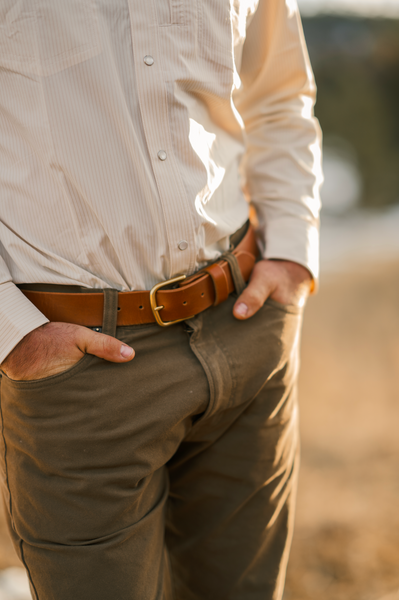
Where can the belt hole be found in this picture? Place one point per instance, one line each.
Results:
(185, 302)
(203, 294)
(119, 307)
(141, 307)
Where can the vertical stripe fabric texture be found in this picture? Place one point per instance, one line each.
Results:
(131, 126)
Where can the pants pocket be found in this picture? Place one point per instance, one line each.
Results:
(51, 380)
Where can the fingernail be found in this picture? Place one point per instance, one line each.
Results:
(126, 351)
(241, 309)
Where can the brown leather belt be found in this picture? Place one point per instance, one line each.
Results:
(208, 287)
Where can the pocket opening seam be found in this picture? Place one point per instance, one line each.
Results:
(45, 381)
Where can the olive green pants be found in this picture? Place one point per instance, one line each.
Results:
(169, 477)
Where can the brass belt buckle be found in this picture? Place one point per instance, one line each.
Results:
(153, 302)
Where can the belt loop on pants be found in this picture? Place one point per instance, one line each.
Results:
(238, 279)
(110, 311)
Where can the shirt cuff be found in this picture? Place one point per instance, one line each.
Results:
(18, 317)
(290, 238)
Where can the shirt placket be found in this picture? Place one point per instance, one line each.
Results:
(152, 96)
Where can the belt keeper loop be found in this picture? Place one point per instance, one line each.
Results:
(235, 270)
(220, 282)
(110, 311)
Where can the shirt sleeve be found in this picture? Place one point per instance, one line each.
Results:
(282, 164)
(18, 316)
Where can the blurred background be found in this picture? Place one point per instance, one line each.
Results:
(346, 543)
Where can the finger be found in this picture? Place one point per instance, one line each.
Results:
(103, 346)
(253, 297)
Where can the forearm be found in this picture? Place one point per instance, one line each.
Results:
(18, 317)
(282, 164)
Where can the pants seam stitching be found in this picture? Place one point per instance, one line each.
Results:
(172, 577)
(10, 502)
(6, 466)
(231, 365)
(27, 569)
(209, 376)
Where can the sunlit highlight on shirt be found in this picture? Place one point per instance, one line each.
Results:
(307, 108)
(202, 143)
(292, 7)
(318, 171)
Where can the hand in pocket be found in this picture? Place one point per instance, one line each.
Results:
(56, 347)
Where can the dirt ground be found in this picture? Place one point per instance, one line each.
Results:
(346, 544)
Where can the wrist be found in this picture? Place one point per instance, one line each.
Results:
(300, 272)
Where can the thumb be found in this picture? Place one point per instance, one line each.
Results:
(103, 346)
(253, 297)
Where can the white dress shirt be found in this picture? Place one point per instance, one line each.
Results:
(132, 134)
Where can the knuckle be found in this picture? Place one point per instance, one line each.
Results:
(257, 304)
(256, 299)
(260, 302)
(108, 344)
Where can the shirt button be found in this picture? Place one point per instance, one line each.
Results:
(148, 60)
(183, 245)
(162, 155)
